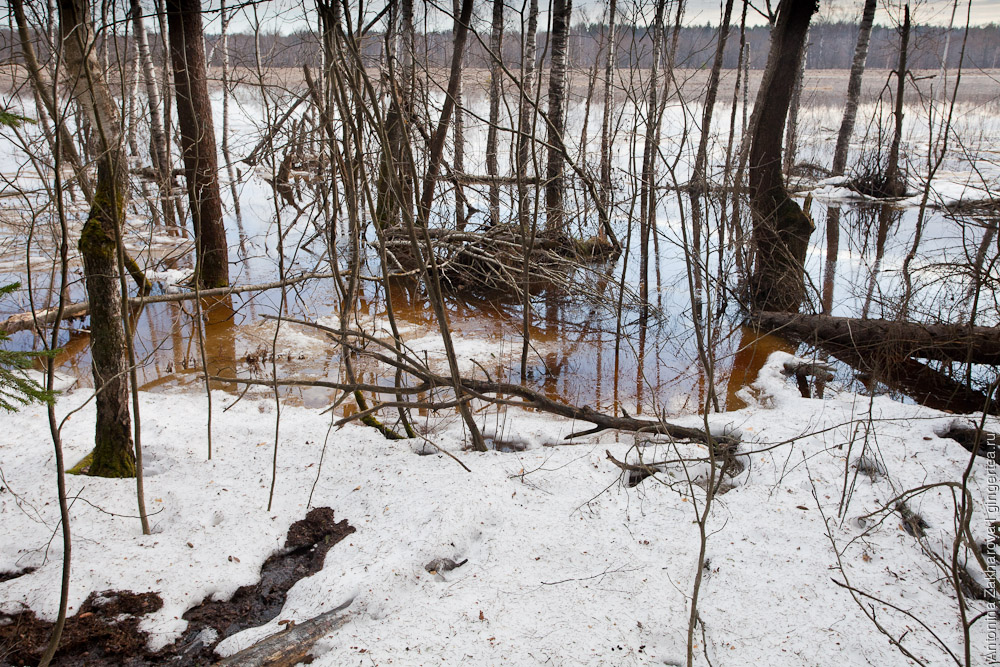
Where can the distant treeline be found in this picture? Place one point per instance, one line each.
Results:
(831, 46)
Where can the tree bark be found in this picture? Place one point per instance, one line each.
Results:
(647, 200)
(160, 152)
(492, 137)
(459, 161)
(895, 184)
(609, 70)
(781, 230)
(890, 338)
(42, 84)
(555, 165)
(525, 132)
(401, 85)
(854, 88)
(292, 645)
(113, 451)
(194, 115)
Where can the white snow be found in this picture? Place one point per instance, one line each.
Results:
(566, 565)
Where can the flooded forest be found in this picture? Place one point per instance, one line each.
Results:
(422, 222)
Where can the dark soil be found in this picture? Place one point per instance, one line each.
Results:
(7, 576)
(106, 630)
(95, 636)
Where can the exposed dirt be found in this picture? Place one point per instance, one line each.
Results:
(106, 630)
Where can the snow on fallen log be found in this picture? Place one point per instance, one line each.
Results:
(292, 645)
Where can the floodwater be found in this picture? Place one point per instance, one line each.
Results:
(582, 352)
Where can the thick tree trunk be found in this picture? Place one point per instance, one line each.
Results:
(890, 338)
(895, 183)
(492, 137)
(113, 451)
(781, 230)
(194, 115)
(555, 165)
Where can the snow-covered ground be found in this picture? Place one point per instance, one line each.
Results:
(566, 564)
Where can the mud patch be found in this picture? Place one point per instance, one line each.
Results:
(305, 550)
(7, 576)
(106, 630)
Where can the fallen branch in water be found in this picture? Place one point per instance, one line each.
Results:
(486, 390)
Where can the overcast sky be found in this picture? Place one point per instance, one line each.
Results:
(291, 15)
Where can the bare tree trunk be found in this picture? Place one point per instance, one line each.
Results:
(435, 150)
(781, 230)
(113, 451)
(841, 150)
(854, 88)
(160, 151)
(492, 139)
(226, 154)
(42, 84)
(524, 124)
(699, 176)
(397, 120)
(646, 198)
(194, 114)
(895, 183)
(609, 71)
(458, 164)
(554, 213)
(792, 127)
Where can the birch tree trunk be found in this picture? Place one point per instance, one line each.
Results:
(609, 102)
(524, 124)
(554, 213)
(160, 151)
(841, 150)
(647, 200)
(492, 167)
(854, 88)
(459, 162)
(226, 154)
(194, 115)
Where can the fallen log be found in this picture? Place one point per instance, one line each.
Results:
(973, 438)
(889, 338)
(23, 321)
(292, 645)
(917, 380)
